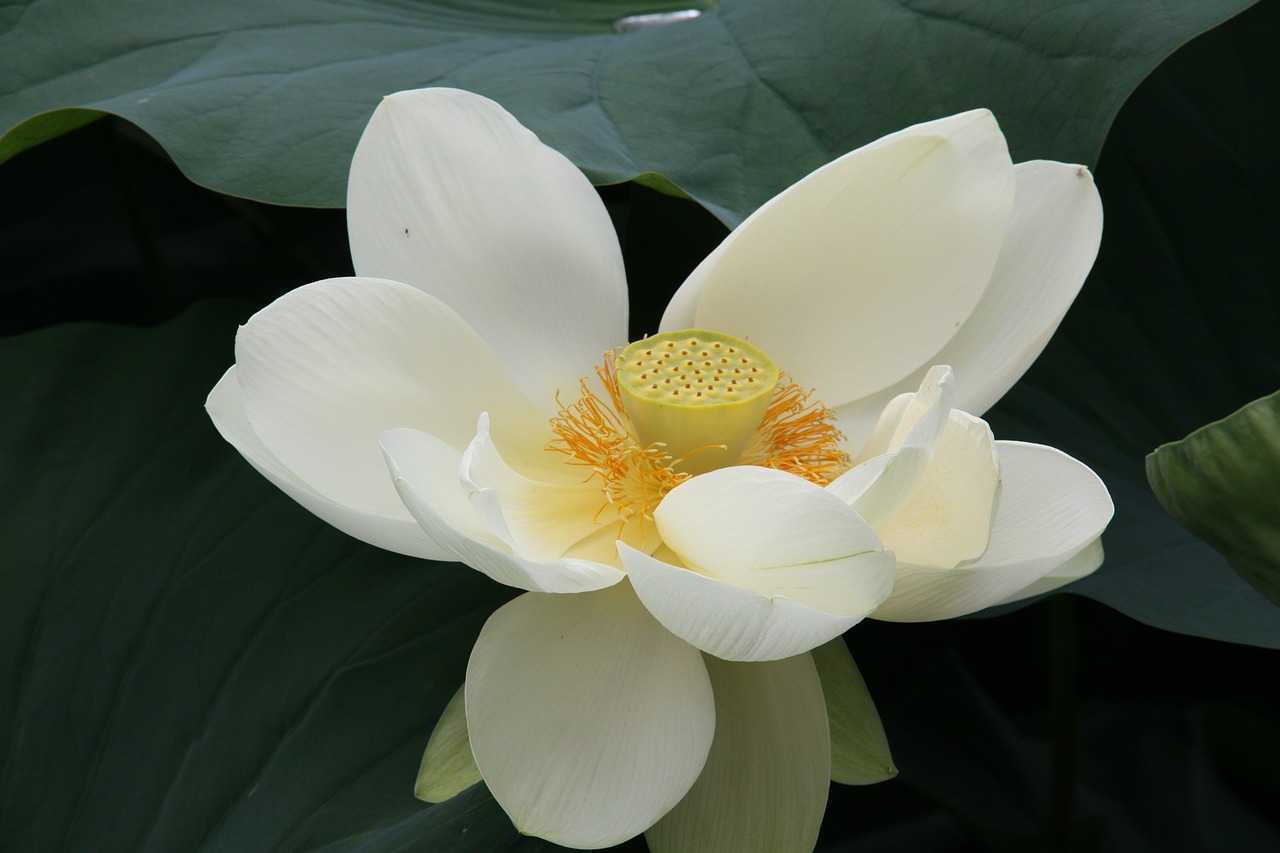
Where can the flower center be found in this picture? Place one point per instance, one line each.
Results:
(677, 404)
(700, 394)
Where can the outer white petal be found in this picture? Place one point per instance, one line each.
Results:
(327, 368)
(587, 719)
(449, 193)
(878, 257)
(776, 565)
(1049, 248)
(539, 520)
(1078, 565)
(764, 788)
(1049, 514)
(395, 531)
(425, 472)
(947, 517)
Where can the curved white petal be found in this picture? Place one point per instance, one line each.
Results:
(915, 419)
(447, 767)
(1050, 512)
(899, 449)
(764, 787)
(776, 564)
(1078, 565)
(879, 256)
(588, 720)
(947, 517)
(449, 193)
(1047, 253)
(394, 530)
(1049, 504)
(930, 491)
(731, 622)
(539, 520)
(859, 748)
(326, 368)
(425, 473)
(1048, 250)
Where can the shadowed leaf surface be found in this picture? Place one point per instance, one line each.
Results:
(188, 660)
(1178, 322)
(267, 100)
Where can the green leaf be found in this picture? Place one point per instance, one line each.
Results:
(859, 748)
(1222, 483)
(188, 660)
(267, 100)
(42, 127)
(1177, 324)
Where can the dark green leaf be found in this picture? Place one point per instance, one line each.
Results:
(267, 100)
(1177, 325)
(1222, 483)
(1145, 778)
(188, 660)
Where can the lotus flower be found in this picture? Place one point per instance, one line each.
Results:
(694, 512)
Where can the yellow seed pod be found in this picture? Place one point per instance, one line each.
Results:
(701, 394)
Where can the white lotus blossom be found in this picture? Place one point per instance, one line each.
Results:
(694, 512)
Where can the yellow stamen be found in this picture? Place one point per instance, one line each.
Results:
(596, 434)
(798, 435)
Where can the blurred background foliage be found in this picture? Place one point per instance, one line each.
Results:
(189, 660)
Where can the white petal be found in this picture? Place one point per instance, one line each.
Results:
(901, 445)
(1078, 565)
(394, 529)
(915, 419)
(539, 520)
(930, 492)
(1049, 505)
(425, 472)
(1049, 249)
(731, 622)
(776, 565)
(1047, 252)
(859, 748)
(764, 788)
(1050, 511)
(587, 719)
(447, 767)
(327, 368)
(860, 272)
(449, 193)
(947, 517)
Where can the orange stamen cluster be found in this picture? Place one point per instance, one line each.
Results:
(797, 435)
(596, 434)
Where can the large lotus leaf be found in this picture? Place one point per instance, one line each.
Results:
(1178, 324)
(267, 100)
(188, 660)
(1222, 483)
